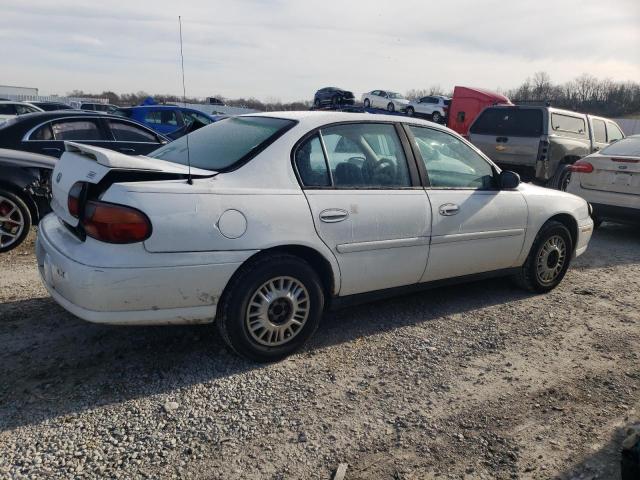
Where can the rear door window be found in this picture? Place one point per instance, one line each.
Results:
(514, 122)
(567, 123)
(599, 131)
(77, 130)
(367, 155)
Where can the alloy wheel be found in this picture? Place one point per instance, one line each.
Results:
(11, 222)
(277, 311)
(551, 259)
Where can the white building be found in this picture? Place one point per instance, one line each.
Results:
(6, 90)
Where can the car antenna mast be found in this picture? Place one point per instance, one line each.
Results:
(184, 101)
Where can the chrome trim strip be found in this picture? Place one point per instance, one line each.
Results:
(465, 237)
(382, 244)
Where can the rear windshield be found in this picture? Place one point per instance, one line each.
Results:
(221, 145)
(447, 102)
(627, 147)
(509, 122)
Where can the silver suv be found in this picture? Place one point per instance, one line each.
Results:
(539, 142)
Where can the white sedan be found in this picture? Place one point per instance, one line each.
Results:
(610, 181)
(9, 109)
(384, 99)
(284, 214)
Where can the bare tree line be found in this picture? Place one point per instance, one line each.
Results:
(585, 93)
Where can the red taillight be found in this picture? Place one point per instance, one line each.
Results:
(113, 223)
(73, 201)
(625, 160)
(581, 166)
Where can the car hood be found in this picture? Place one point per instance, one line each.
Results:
(17, 158)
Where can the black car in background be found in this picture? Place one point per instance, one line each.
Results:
(333, 96)
(51, 106)
(46, 132)
(25, 193)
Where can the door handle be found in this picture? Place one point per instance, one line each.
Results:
(127, 150)
(333, 215)
(449, 209)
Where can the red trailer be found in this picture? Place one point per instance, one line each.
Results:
(466, 105)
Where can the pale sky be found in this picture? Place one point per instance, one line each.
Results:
(287, 49)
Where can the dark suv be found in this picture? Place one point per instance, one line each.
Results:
(332, 96)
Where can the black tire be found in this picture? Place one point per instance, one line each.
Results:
(410, 111)
(232, 319)
(529, 277)
(10, 198)
(335, 101)
(367, 103)
(316, 103)
(391, 107)
(597, 223)
(561, 178)
(436, 117)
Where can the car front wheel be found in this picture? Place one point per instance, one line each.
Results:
(548, 259)
(391, 107)
(410, 111)
(271, 307)
(15, 220)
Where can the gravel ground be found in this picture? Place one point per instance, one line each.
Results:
(473, 381)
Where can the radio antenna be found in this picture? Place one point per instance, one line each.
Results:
(184, 101)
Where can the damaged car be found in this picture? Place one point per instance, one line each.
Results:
(25, 192)
(261, 222)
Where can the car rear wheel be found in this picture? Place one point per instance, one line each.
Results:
(271, 307)
(15, 220)
(367, 103)
(316, 103)
(561, 178)
(436, 117)
(410, 111)
(548, 259)
(391, 107)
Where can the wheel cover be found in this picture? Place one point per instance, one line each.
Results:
(436, 116)
(552, 257)
(277, 311)
(11, 222)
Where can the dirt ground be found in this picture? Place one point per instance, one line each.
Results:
(473, 381)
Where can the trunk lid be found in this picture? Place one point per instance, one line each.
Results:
(619, 174)
(93, 165)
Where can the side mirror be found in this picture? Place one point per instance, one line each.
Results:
(509, 180)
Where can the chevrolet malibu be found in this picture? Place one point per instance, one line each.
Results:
(261, 222)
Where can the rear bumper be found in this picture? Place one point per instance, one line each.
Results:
(141, 295)
(615, 213)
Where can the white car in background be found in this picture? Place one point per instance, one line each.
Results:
(9, 109)
(610, 181)
(435, 107)
(285, 213)
(385, 99)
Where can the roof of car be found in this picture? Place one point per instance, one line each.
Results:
(316, 118)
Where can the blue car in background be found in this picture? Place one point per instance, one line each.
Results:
(166, 119)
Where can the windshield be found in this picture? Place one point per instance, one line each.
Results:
(629, 146)
(395, 95)
(221, 145)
